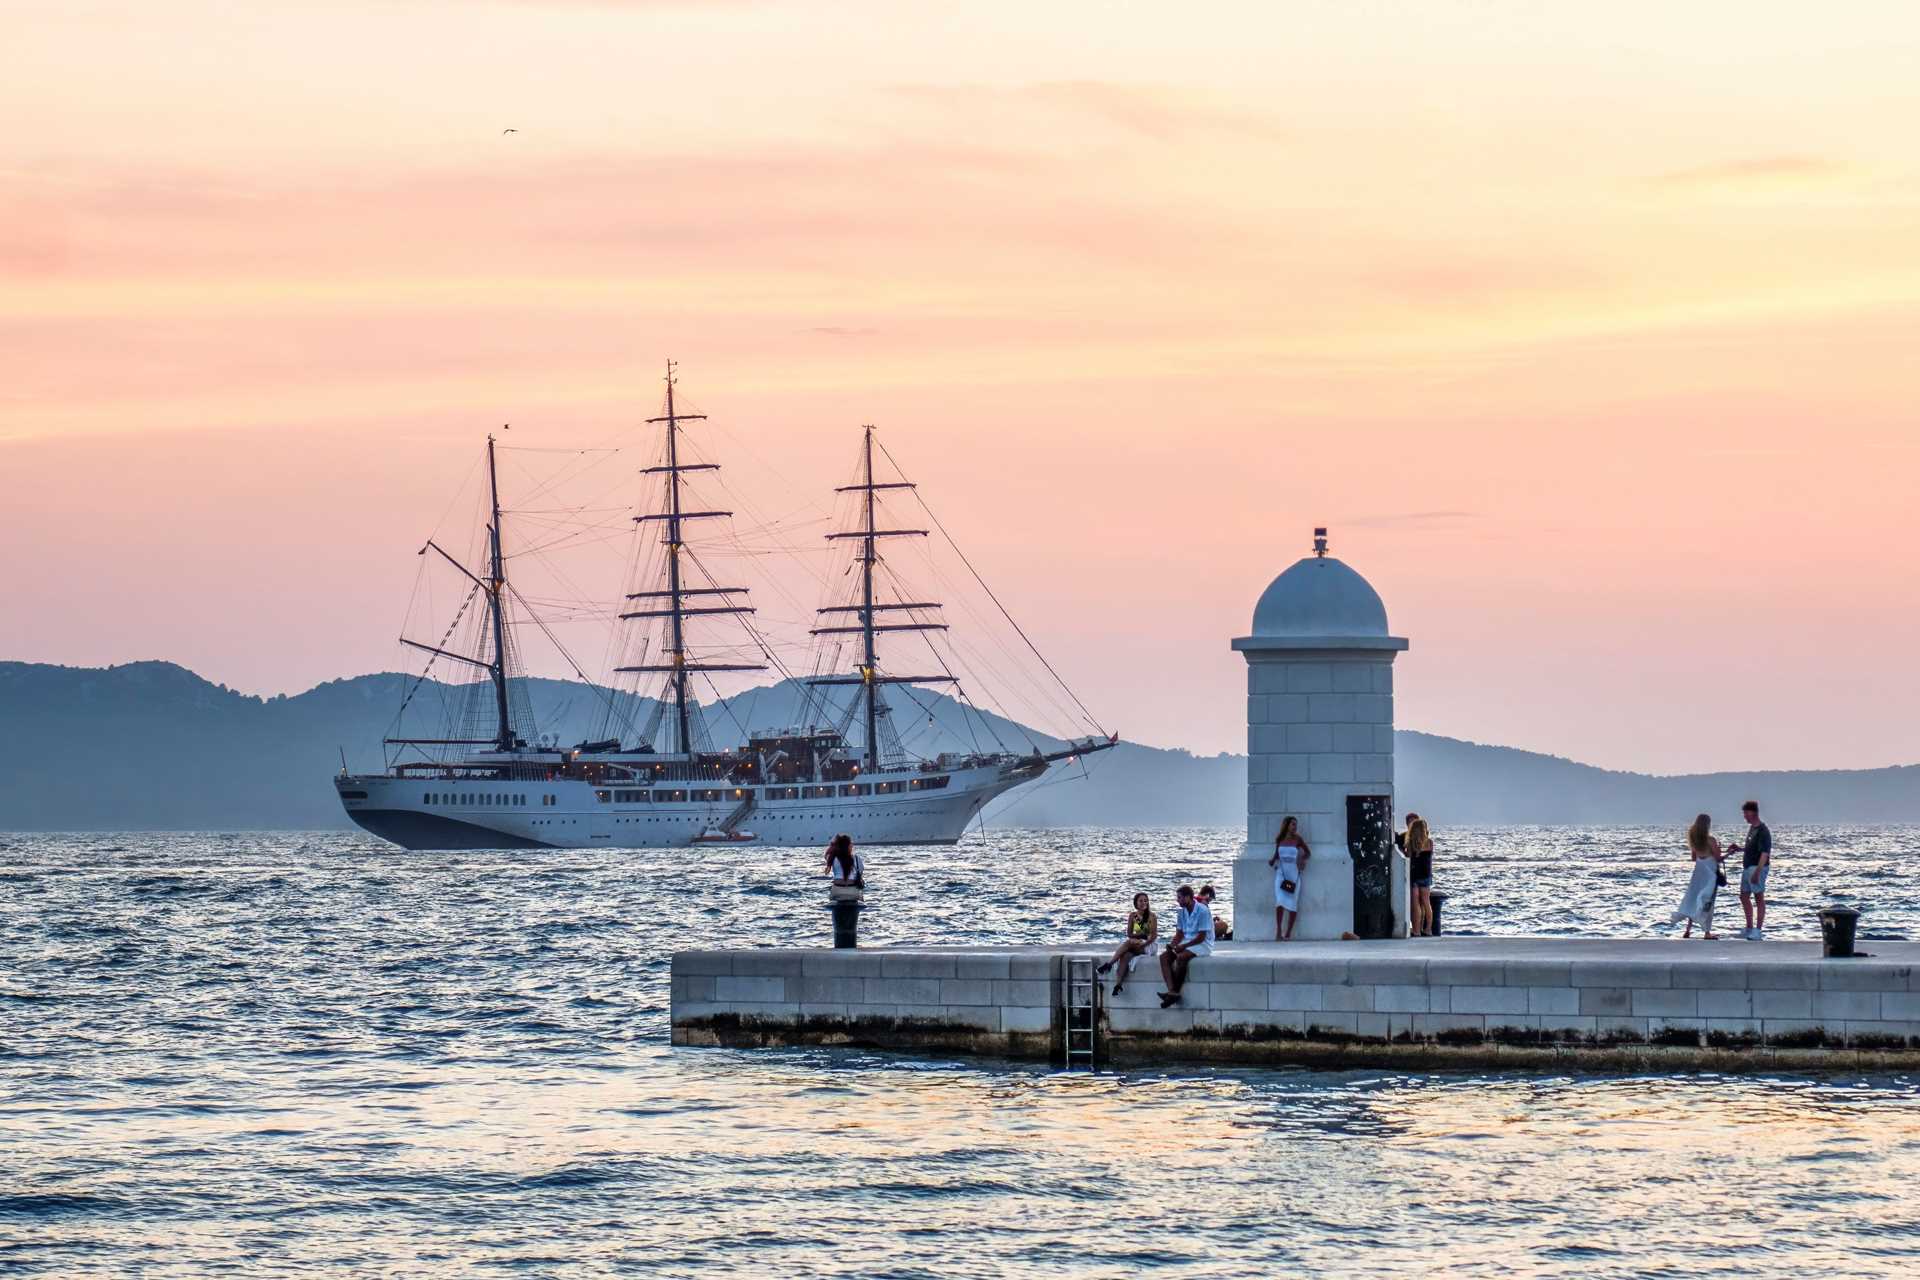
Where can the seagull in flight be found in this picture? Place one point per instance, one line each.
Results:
(505, 132)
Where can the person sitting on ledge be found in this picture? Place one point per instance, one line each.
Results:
(1222, 927)
(1143, 938)
(848, 869)
(1192, 936)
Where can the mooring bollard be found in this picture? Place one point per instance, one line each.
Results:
(1837, 925)
(1438, 900)
(846, 901)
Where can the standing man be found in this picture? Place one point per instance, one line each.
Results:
(1192, 936)
(1754, 863)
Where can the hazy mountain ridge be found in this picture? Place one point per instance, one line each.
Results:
(151, 745)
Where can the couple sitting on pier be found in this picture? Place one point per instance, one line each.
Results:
(1194, 932)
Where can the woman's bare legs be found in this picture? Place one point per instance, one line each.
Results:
(1422, 914)
(1288, 919)
(1123, 960)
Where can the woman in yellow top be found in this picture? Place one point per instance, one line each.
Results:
(1143, 939)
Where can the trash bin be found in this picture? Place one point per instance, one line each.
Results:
(1836, 932)
(1438, 900)
(846, 903)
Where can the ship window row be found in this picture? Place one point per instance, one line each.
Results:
(680, 795)
(480, 799)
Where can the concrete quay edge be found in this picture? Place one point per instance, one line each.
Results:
(1594, 1004)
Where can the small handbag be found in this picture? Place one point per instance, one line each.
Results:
(1287, 886)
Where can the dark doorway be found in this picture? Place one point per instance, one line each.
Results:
(1370, 841)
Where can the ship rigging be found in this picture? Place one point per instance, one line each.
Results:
(668, 784)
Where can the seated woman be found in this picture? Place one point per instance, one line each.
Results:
(1143, 939)
(848, 869)
(1222, 927)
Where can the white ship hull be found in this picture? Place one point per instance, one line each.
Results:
(466, 813)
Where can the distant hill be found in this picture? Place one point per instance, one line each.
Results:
(151, 745)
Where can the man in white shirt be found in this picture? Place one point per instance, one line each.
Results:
(1193, 936)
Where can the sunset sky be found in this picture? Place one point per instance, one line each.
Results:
(1593, 331)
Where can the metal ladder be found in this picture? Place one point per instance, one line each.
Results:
(1081, 1000)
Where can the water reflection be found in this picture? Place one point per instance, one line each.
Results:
(289, 1054)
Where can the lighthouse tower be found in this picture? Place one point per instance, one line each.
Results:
(1320, 747)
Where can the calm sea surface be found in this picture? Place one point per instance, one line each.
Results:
(262, 1054)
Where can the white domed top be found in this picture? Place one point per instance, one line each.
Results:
(1320, 596)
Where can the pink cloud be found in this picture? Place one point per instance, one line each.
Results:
(601, 213)
(1754, 170)
(1151, 111)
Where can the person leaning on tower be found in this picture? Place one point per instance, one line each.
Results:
(1289, 864)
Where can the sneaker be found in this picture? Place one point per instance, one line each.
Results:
(1759, 935)
(1751, 935)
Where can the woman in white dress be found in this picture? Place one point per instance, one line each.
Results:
(1289, 863)
(1697, 905)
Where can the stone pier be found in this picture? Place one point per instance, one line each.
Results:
(1549, 1002)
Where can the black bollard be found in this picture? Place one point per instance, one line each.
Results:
(846, 923)
(1437, 899)
(1837, 925)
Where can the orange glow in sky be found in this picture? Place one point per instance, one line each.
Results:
(1590, 330)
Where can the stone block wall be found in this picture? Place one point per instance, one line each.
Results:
(970, 1001)
(1319, 727)
(1319, 1008)
(1708, 1004)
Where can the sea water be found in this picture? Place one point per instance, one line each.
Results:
(277, 1053)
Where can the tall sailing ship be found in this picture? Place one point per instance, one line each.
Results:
(841, 767)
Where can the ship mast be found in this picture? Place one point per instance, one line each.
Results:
(866, 613)
(494, 585)
(869, 535)
(496, 588)
(677, 611)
